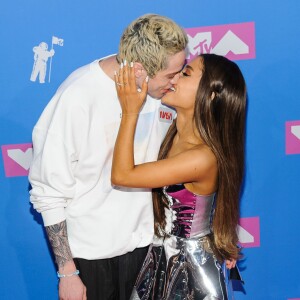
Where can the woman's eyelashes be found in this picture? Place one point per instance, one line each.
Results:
(183, 73)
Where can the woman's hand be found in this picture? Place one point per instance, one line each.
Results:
(230, 263)
(131, 99)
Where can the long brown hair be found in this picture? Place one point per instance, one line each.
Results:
(220, 111)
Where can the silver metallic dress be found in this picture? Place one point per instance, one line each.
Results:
(183, 265)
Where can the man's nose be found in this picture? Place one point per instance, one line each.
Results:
(175, 79)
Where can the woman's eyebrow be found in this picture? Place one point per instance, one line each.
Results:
(189, 67)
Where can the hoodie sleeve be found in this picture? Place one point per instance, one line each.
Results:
(57, 141)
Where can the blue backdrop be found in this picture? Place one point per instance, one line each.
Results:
(46, 40)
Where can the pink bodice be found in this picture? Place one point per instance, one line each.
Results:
(193, 212)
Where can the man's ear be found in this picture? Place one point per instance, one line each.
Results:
(139, 70)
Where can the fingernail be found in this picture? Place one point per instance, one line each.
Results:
(147, 79)
(131, 64)
(121, 65)
(115, 72)
(125, 62)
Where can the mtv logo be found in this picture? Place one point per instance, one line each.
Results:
(235, 41)
(249, 232)
(17, 159)
(292, 137)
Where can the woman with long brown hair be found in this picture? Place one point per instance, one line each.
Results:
(196, 181)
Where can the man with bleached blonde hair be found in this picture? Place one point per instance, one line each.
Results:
(100, 233)
(151, 40)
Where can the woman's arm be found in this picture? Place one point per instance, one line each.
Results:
(190, 166)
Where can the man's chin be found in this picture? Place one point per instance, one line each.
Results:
(155, 96)
(159, 95)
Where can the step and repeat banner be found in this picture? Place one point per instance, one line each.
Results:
(42, 42)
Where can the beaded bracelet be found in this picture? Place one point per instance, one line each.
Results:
(67, 275)
(121, 114)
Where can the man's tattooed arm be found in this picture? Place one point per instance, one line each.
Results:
(58, 237)
(70, 287)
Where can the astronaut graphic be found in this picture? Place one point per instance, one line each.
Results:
(41, 56)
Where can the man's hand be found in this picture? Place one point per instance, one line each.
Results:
(72, 288)
(230, 263)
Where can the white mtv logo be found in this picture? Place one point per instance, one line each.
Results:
(201, 43)
(21, 158)
(295, 130)
(244, 235)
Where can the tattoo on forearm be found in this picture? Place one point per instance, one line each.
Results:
(58, 238)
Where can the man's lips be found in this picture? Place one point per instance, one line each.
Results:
(171, 89)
